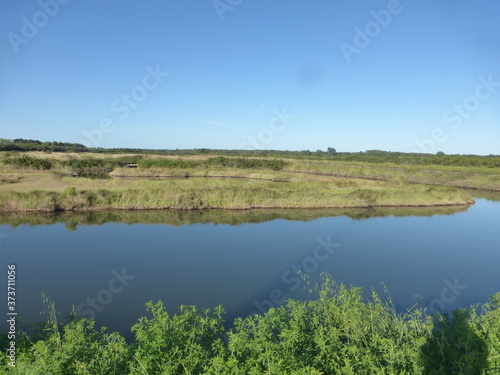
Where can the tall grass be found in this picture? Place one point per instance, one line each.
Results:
(339, 332)
(229, 194)
(456, 176)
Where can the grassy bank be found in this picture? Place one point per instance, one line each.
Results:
(229, 194)
(57, 182)
(338, 333)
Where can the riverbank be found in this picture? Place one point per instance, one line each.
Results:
(55, 183)
(199, 194)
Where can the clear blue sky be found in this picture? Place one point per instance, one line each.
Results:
(422, 69)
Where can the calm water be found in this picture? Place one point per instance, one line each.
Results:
(448, 258)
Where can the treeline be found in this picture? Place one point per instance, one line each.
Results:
(20, 144)
(377, 156)
(370, 156)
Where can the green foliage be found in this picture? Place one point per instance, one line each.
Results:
(377, 156)
(94, 164)
(247, 163)
(219, 161)
(77, 349)
(34, 145)
(168, 163)
(28, 162)
(456, 347)
(186, 343)
(70, 190)
(341, 332)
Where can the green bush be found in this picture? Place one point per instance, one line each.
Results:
(168, 163)
(219, 161)
(70, 190)
(29, 161)
(341, 332)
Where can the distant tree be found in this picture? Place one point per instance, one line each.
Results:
(332, 151)
(440, 153)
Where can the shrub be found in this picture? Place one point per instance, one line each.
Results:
(219, 161)
(70, 190)
(341, 332)
(29, 162)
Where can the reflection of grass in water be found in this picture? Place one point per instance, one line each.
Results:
(490, 195)
(232, 217)
(336, 333)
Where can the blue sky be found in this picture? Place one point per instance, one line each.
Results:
(421, 75)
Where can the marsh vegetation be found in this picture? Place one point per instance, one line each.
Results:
(337, 332)
(40, 182)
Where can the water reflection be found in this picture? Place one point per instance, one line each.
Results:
(488, 195)
(232, 217)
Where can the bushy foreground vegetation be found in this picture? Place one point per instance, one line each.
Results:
(338, 333)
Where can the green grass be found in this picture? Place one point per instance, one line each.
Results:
(339, 332)
(483, 178)
(229, 194)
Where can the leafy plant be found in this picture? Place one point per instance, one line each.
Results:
(340, 332)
